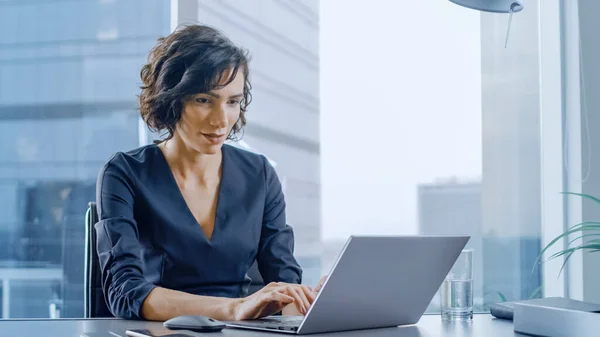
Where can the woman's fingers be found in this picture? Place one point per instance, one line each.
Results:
(321, 283)
(311, 295)
(285, 293)
(289, 290)
(281, 297)
(274, 302)
(302, 303)
(307, 297)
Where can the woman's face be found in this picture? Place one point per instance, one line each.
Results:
(207, 118)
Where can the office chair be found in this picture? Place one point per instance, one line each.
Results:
(69, 303)
(94, 302)
(257, 280)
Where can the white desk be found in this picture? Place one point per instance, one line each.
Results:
(12, 274)
(483, 325)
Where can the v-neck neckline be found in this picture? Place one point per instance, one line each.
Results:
(188, 211)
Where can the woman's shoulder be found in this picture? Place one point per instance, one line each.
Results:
(140, 154)
(133, 159)
(244, 159)
(247, 165)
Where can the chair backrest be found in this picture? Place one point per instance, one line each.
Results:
(257, 280)
(94, 302)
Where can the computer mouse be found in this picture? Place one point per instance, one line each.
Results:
(195, 323)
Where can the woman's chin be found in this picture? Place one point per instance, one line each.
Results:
(209, 148)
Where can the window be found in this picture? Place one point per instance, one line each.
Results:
(68, 86)
(391, 118)
(69, 74)
(430, 125)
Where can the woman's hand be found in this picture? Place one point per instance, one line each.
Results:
(273, 298)
(292, 310)
(321, 283)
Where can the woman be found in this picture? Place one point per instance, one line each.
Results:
(182, 221)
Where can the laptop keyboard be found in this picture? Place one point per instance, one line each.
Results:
(287, 321)
(277, 323)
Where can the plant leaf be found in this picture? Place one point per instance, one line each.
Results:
(594, 247)
(585, 236)
(569, 252)
(565, 262)
(587, 224)
(536, 292)
(563, 252)
(576, 228)
(586, 196)
(574, 249)
(584, 226)
(502, 297)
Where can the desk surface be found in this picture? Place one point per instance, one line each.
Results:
(428, 326)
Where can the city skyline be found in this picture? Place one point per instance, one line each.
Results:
(354, 123)
(56, 135)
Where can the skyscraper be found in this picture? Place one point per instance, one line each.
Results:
(511, 191)
(453, 207)
(502, 265)
(283, 39)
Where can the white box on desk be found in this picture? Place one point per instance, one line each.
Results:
(544, 321)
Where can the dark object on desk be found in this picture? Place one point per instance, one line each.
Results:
(502, 310)
(505, 310)
(195, 323)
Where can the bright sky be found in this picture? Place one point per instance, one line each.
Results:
(400, 105)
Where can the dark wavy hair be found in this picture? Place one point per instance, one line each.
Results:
(193, 59)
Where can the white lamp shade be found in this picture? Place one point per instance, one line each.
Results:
(494, 6)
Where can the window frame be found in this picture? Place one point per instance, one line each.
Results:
(551, 133)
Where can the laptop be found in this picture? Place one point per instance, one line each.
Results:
(376, 282)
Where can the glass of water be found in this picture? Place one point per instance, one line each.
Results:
(457, 290)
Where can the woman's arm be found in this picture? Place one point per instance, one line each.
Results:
(163, 304)
(275, 258)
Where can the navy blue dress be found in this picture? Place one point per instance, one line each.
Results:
(147, 236)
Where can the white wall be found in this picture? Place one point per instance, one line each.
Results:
(400, 105)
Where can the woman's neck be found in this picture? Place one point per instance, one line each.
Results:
(189, 163)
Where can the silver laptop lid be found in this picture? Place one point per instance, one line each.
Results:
(382, 281)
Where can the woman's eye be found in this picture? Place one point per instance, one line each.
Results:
(233, 101)
(202, 100)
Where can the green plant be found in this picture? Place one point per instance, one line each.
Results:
(588, 230)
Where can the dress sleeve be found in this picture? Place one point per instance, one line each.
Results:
(275, 258)
(123, 282)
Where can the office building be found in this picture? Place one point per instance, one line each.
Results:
(454, 207)
(283, 38)
(502, 265)
(511, 192)
(68, 85)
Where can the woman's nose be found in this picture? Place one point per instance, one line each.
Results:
(219, 117)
